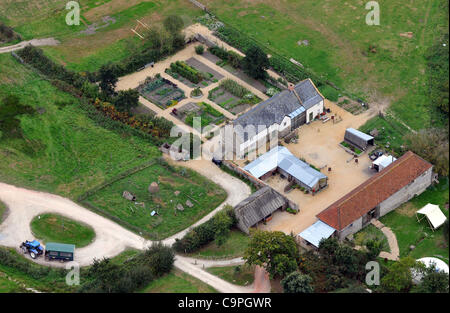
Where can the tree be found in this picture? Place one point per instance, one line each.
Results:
(256, 62)
(199, 49)
(275, 251)
(433, 282)
(399, 276)
(160, 258)
(446, 231)
(173, 24)
(108, 79)
(126, 100)
(374, 248)
(222, 225)
(296, 282)
(432, 145)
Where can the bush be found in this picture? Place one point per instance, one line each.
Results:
(199, 49)
(296, 282)
(216, 228)
(234, 88)
(187, 71)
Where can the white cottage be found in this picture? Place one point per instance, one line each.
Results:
(280, 115)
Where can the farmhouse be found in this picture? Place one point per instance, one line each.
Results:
(281, 160)
(278, 115)
(258, 207)
(403, 179)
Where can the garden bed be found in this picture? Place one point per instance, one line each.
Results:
(232, 97)
(351, 149)
(206, 112)
(193, 73)
(161, 92)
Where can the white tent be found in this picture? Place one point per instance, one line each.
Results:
(439, 265)
(383, 161)
(434, 215)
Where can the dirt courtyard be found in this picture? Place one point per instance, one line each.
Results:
(318, 145)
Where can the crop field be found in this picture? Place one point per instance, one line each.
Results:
(62, 150)
(87, 52)
(339, 42)
(177, 186)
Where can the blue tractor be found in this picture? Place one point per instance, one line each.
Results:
(34, 248)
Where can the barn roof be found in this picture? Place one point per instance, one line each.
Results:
(258, 205)
(281, 157)
(274, 109)
(373, 191)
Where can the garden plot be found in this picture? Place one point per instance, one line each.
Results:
(180, 197)
(208, 115)
(233, 97)
(193, 73)
(161, 92)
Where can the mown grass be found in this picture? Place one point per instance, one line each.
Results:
(203, 194)
(178, 282)
(9, 286)
(62, 150)
(339, 41)
(2, 211)
(242, 275)
(57, 228)
(409, 231)
(233, 247)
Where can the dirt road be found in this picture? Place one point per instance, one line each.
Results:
(33, 42)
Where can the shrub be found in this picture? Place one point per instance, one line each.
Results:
(234, 88)
(187, 71)
(296, 282)
(199, 49)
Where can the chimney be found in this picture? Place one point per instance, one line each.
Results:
(291, 87)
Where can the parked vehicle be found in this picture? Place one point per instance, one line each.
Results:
(59, 251)
(217, 162)
(34, 248)
(375, 155)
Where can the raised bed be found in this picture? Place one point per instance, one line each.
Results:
(161, 92)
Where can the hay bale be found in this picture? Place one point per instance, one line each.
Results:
(128, 195)
(153, 188)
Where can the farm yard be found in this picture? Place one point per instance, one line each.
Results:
(181, 198)
(161, 92)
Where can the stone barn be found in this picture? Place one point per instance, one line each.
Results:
(402, 180)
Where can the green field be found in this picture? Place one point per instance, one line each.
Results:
(233, 247)
(409, 231)
(57, 228)
(243, 277)
(339, 41)
(87, 52)
(202, 193)
(62, 150)
(178, 282)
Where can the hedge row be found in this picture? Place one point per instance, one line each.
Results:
(227, 55)
(187, 71)
(206, 232)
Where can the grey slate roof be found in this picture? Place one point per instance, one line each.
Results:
(258, 205)
(274, 109)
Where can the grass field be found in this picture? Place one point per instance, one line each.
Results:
(2, 211)
(339, 41)
(233, 247)
(243, 277)
(178, 282)
(63, 151)
(409, 231)
(83, 52)
(56, 228)
(203, 194)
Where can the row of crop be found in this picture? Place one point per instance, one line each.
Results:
(187, 71)
(234, 88)
(233, 58)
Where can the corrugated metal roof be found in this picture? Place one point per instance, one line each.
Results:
(281, 157)
(359, 134)
(60, 247)
(316, 232)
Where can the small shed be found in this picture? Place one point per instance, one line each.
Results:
(128, 195)
(258, 207)
(383, 161)
(59, 251)
(316, 232)
(358, 138)
(433, 214)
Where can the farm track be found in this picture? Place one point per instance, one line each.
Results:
(111, 239)
(34, 42)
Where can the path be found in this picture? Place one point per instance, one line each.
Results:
(111, 239)
(392, 240)
(34, 42)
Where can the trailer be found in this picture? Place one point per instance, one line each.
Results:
(59, 251)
